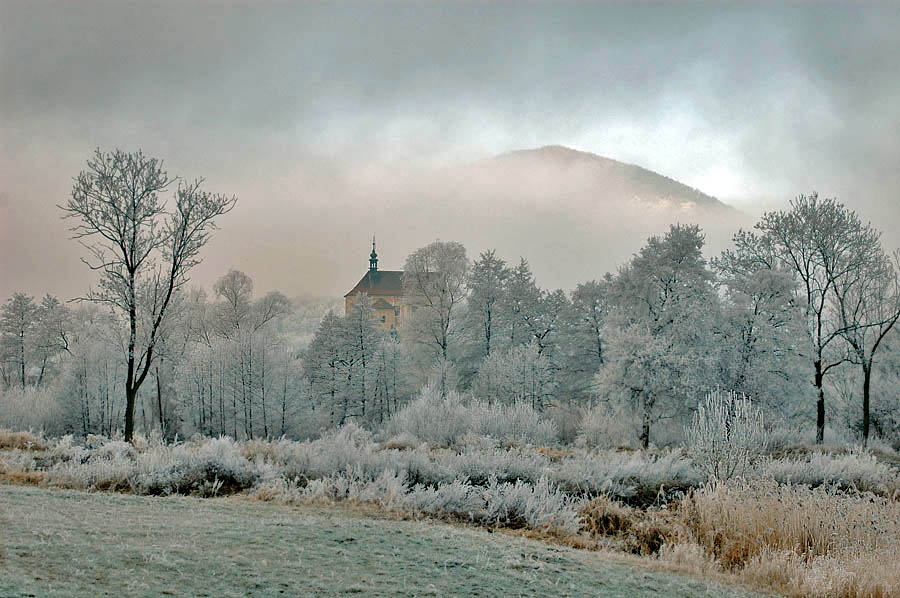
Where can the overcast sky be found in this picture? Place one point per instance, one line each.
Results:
(276, 101)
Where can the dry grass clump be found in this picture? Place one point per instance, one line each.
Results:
(24, 441)
(801, 540)
(606, 517)
(18, 475)
(638, 531)
(400, 442)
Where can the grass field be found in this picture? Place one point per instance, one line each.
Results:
(65, 543)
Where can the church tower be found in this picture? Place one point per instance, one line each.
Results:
(385, 289)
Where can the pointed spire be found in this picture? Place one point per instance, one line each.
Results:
(373, 257)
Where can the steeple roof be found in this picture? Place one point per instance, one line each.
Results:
(379, 282)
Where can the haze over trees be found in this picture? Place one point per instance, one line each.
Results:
(799, 315)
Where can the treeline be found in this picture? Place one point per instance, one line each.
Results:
(799, 315)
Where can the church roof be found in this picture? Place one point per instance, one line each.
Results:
(379, 282)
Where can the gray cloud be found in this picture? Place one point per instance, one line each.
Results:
(296, 107)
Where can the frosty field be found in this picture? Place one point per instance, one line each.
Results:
(65, 543)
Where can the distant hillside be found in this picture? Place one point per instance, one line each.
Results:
(575, 175)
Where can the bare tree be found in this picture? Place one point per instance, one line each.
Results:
(869, 304)
(142, 250)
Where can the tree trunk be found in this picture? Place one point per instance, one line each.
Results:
(262, 392)
(645, 424)
(22, 358)
(159, 405)
(867, 383)
(130, 394)
(487, 333)
(820, 404)
(41, 375)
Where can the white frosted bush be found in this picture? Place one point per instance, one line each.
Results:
(445, 422)
(29, 409)
(727, 436)
(540, 506)
(92, 474)
(114, 448)
(605, 426)
(625, 475)
(389, 489)
(458, 497)
(191, 469)
(860, 470)
(433, 419)
(517, 424)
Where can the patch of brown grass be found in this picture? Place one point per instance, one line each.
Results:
(25, 441)
(29, 478)
(255, 449)
(401, 442)
(801, 541)
(637, 531)
(606, 517)
(554, 453)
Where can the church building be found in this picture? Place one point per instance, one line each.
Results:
(385, 289)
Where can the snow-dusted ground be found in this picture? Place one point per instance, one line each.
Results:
(65, 543)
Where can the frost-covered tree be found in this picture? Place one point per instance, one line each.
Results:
(533, 313)
(726, 436)
(52, 334)
(821, 243)
(759, 351)
(487, 280)
(361, 340)
(869, 307)
(519, 374)
(521, 302)
(142, 247)
(658, 337)
(322, 366)
(435, 281)
(583, 342)
(245, 323)
(18, 317)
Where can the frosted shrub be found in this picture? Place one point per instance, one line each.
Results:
(29, 409)
(92, 474)
(458, 497)
(206, 469)
(445, 422)
(540, 506)
(433, 419)
(388, 489)
(858, 470)
(727, 436)
(517, 424)
(505, 465)
(339, 450)
(632, 477)
(605, 426)
(115, 448)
